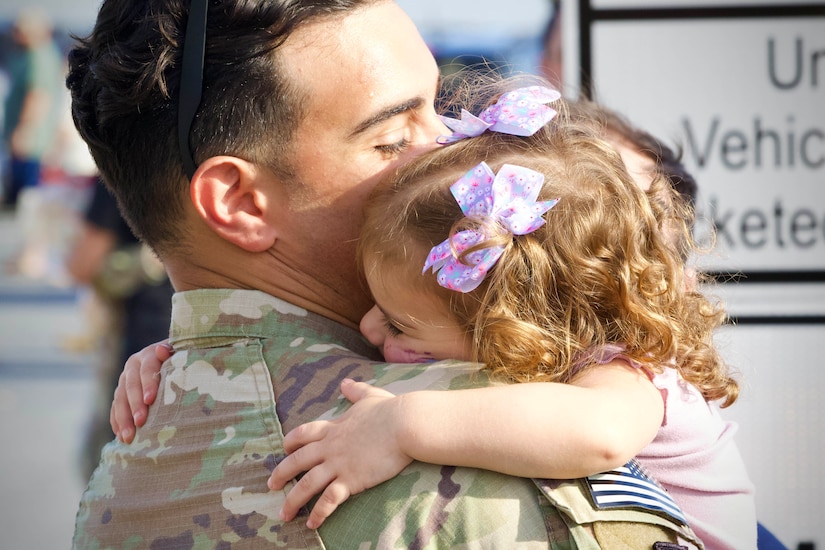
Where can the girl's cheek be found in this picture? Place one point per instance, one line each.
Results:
(395, 353)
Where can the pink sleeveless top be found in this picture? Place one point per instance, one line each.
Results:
(696, 459)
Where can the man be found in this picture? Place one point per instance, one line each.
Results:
(305, 106)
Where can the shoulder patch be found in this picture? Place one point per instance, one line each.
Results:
(630, 486)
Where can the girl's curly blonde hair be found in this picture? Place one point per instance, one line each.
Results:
(607, 266)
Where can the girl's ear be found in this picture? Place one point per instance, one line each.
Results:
(228, 194)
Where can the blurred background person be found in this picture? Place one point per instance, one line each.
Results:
(550, 61)
(128, 304)
(31, 114)
(49, 171)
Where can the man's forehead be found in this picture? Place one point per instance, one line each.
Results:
(356, 76)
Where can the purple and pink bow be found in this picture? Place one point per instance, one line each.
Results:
(507, 199)
(520, 112)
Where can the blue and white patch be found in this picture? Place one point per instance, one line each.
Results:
(630, 486)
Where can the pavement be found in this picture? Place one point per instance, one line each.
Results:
(46, 394)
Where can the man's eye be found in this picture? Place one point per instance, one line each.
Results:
(394, 148)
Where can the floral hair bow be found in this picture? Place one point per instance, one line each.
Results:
(508, 199)
(520, 112)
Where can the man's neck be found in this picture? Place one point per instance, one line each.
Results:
(344, 301)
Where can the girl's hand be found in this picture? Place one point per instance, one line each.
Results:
(136, 389)
(342, 457)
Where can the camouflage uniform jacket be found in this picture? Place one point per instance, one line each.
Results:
(249, 367)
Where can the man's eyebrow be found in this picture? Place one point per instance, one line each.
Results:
(386, 114)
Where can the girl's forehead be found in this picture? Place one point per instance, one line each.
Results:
(390, 282)
(400, 295)
(389, 270)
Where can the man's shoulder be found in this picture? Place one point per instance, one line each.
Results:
(207, 314)
(248, 306)
(195, 474)
(307, 376)
(432, 506)
(214, 318)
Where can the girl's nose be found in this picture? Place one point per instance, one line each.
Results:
(372, 326)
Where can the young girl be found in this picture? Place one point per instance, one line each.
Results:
(539, 257)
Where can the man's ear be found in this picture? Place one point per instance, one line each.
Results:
(228, 194)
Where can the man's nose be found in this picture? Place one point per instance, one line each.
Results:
(434, 129)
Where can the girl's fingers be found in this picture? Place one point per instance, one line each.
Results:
(355, 391)
(335, 494)
(304, 435)
(312, 483)
(302, 460)
(120, 414)
(149, 372)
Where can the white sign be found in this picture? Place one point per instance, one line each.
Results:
(745, 100)
(744, 97)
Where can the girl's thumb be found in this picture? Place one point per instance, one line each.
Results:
(353, 390)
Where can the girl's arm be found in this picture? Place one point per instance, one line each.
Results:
(544, 430)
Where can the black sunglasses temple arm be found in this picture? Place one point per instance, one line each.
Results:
(191, 80)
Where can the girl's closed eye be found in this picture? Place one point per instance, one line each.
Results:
(391, 328)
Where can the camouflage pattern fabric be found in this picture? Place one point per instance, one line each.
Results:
(249, 367)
